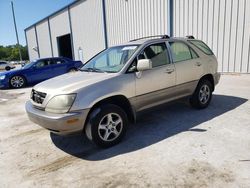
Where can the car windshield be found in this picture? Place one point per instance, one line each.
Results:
(111, 60)
(29, 65)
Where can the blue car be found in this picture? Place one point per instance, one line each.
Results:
(38, 71)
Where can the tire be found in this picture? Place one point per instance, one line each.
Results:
(72, 70)
(107, 125)
(7, 68)
(202, 95)
(17, 82)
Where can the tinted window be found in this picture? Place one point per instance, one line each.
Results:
(180, 51)
(42, 63)
(57, 62)
(193, 53)
(157, 53)
(202, 46)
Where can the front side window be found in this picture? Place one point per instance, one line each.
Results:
(42, 63)
(157, 53)
(181, 52)
(110, 60)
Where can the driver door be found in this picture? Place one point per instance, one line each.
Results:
(155, 86)
(40, 71)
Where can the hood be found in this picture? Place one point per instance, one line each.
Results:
(10, 72)
(71, 82)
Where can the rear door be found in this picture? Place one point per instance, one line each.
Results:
(187, 64)
(156, 85)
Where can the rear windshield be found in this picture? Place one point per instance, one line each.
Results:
(202, 46)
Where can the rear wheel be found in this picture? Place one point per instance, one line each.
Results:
(72, 70)
(202, 95)
(107, 125)
(17, 82)
(7, 68)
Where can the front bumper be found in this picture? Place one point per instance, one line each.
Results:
(4, 84)
(62, 124)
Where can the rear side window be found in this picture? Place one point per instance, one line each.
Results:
(202, 46)
(181, 52)
(56, 62)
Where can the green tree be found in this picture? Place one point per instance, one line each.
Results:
(11, 53)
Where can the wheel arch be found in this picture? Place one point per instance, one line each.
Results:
(22, 75)
(119, 100)
(210, 78)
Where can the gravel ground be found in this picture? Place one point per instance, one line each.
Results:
(171, 146)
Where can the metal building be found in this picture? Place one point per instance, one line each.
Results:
(85, 27)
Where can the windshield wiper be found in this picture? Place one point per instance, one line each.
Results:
(92, 70)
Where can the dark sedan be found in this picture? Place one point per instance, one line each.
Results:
(38, 71)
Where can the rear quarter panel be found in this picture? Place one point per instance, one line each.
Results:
(209, 62)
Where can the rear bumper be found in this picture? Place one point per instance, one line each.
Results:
(62, 124)
(216, 78)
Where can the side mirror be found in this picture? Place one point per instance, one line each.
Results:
(144, 64)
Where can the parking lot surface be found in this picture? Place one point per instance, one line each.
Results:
(171, 146)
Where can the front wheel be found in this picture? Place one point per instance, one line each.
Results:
(202, 95)
(17, 82)
(107, 125)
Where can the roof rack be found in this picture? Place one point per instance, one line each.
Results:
(155, 36)
(190, 37)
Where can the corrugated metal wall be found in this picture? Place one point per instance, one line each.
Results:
(59, 25)
(223, 24)
(32, 43)
(43, 39)
(130, 19)
(87, 28)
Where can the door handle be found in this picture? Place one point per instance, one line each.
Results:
(169, 71)
(198, 64)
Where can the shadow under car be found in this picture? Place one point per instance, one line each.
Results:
(152, 126)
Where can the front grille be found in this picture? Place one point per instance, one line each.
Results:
(37, 97)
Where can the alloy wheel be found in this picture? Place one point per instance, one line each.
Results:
(110, 127)
(17, 81)
(204, 94)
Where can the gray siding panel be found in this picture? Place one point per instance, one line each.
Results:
(43, 39)
(132, 19)
(59, 26)
(32, 43)
(223, 24)
(87, 27)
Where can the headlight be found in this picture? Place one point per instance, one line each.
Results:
(2, 77)
(60, 103)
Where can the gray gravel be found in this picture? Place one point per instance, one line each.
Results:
(171, 146)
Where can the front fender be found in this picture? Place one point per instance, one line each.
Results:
(87, 97)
